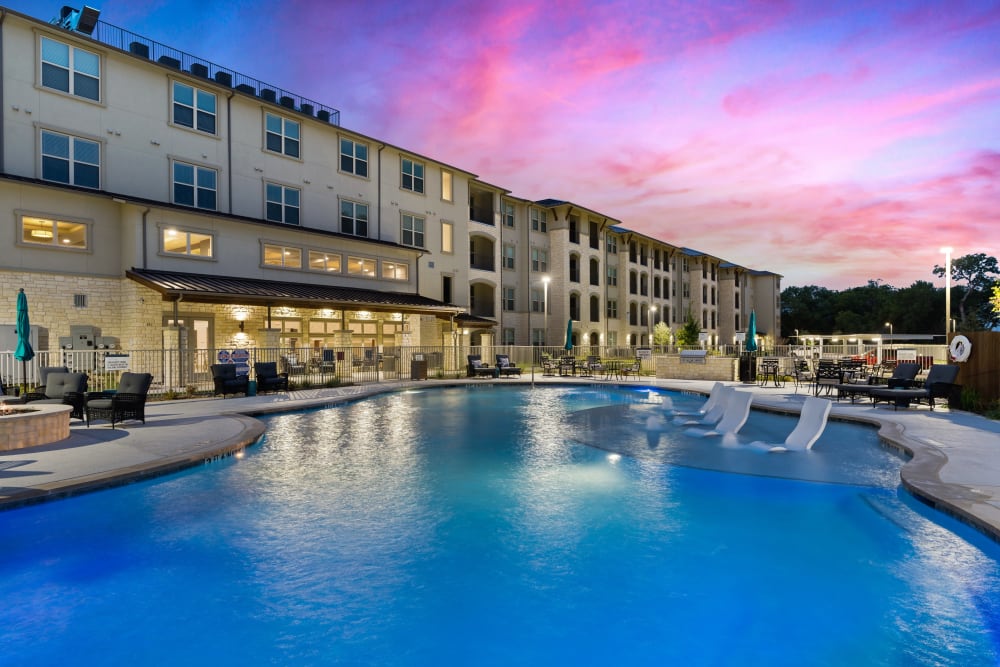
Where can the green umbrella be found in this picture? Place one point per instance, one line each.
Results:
(569, 334)
(751, 343)
(23, 353)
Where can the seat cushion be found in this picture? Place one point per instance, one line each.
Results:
(58, 385)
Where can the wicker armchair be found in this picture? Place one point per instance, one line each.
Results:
(268, 377)
(227, 381)
(62, 389)
(127, 402)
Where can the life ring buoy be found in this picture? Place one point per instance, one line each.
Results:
(960, 348)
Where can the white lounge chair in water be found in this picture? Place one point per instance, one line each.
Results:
(737, 412)
(713, 399)
(714, 414)
(812, 422)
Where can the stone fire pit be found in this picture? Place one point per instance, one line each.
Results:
(30, 425)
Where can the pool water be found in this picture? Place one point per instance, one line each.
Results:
(499, 526)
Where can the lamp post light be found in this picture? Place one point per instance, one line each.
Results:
(947, 291)
(652, 312)
(889, 324)
(545, 309)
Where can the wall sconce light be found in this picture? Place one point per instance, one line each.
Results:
(242, 323)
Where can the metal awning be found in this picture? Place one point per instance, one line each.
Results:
(203, 288)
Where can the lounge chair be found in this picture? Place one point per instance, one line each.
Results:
(812, 422)
(940, 382)
(477, 369)
(713, 415)
(735, 416)
(506, 367)
(713, 398)
(127, 402)
(227, 381)
(62, 389)
(902, 375)
(268, 377)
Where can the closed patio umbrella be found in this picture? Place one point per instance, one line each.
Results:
(569, 335)
(24, 353)
(751, 342)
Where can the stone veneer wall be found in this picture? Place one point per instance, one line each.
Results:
(724, 369)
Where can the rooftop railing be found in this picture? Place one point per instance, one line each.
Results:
(144, 47)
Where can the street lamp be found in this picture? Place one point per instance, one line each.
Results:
(889, 324)
(652, 311)
(947, 291)
(545, 308)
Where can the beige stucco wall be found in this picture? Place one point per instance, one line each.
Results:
(724, 369)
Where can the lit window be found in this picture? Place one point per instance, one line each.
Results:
(413, 231)
(194, 186)
(70, 69)
(71, 160)
(281, 135)
(413, 175)
(446, 184)
(283, 256)
(360, 266)
(194, 108)
(322, 261)
(354, 158)
(395, 271)
(353, 218)
(54, 233)
(282, 204)
(447, 237)
(179, 242)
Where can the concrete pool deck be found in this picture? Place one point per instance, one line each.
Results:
(955, 465)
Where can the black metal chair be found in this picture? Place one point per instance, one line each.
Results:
(268, 377)
(827, 376)
(126, 402)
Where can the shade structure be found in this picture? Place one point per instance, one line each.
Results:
(569, 335)
(24, 353)
(751, 342)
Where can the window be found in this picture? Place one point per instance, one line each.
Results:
(413, 176)
(180, 242)
(282, 204)
(508, 298)
(54, 233)
(194, 186)
(71, 160)
(644, 285)
(447, 237)
(395, 270)
(281, 135)
(612, 338)
(71, 70)
(704, 293)
(446, 288)
(283, 256)
(354, 158)
(194, 108)
(684, 265)
(360, 266)
(537, 337)
(507, 214)
(643, 257)
(323, 261)
(612, 309)
(574, 230)
(633, 251)
(595, 272)
(446, 186)
(539, 221)
(704, 319)
(507, 336)
(353, 218)
(413, 231)
(656, 287)
(574, 268)
(611, 243)
(537, 300)
(686, 291)
(539, 260)
(595, 309)
(612, 276)
(633, 282)
(574, 306)
(508, 257)
(595, 235)
(656, 259)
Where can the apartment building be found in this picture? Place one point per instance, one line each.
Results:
(173, 202)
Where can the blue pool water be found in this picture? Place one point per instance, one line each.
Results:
(501, 526)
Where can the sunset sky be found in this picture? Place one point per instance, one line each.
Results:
(830, 142)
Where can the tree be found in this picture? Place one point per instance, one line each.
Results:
(995, 300)
(808, 309)
(688, 334)
(661, 334)
(978, 272)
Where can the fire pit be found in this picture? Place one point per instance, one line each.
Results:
(28, 426)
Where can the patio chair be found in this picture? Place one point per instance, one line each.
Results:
(826, 377)
(631, 368)
(549, 365)
(801, 373)
(902, 375)
(733, 418)
(475, 367)
(227, 381)
(812, 422)
(127, 402)
(505, 367)
(567, 366)
(594, 365)
(940, 383)
(43, 373)
(268, 377)
(62, 389)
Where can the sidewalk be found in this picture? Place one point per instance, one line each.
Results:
(955, 465)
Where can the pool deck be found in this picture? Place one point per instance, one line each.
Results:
(955, 465)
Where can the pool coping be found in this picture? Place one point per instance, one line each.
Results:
(976, 505)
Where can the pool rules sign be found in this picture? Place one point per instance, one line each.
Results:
(117, 362)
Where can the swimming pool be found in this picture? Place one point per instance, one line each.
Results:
(495, 525)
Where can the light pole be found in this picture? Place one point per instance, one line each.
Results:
(652, 311)
(889, 324)
(947, 291)
(545, 308)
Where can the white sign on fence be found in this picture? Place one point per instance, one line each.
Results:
(117, 362)
(906, 354)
